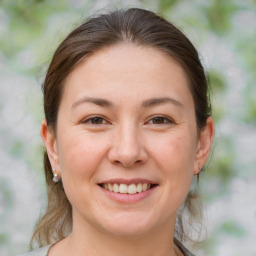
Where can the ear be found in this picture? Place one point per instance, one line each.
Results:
(50, 143)
(204, 145)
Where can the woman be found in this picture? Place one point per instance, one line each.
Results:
(127, 127)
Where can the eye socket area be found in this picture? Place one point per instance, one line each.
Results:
(160, 120)
(155, 120)
(95, 120)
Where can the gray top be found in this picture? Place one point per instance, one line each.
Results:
(43, 251)
(182, 248)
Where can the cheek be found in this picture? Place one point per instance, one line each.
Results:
(80, 155)
(174, 156)
(174, 151)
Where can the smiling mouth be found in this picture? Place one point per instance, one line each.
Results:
(127, 189)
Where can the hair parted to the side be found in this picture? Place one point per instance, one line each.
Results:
(132, 26)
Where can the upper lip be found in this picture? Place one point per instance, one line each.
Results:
(128, 181)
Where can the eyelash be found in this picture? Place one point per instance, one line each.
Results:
(89, 120)
(163, 118)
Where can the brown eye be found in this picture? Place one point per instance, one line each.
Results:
(95, 120)
(160, 120)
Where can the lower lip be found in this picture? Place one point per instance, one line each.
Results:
(128, 198)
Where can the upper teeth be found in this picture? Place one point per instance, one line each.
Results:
(126, 189)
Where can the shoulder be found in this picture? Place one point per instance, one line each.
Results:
(43, 251)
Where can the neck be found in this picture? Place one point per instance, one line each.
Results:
(88, 240)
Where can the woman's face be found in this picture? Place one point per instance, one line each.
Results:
(126, 123)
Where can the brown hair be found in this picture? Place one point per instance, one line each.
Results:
(133, 26)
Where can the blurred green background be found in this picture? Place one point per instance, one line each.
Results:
(224, 32)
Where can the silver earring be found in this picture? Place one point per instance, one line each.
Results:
(55, 176)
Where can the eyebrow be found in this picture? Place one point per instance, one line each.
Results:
(157, 101)
(146, 103)
(96, 101)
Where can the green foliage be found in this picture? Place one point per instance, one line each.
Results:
(232, 228)
(219, 14)
(27, 20)
(17, 149)
(251, 117)
(218, 86)
(220, 170)
(165, 5)
(247, 48)
(250, 100)
(223, 159)
(223, 169)
(3, 239)
(6, 196)
(218, 112)
(217, 81)
(224, 230)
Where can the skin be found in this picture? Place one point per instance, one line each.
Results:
(126, 141)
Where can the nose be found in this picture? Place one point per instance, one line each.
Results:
(127, 148)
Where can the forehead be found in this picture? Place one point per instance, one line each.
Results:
(129, 72)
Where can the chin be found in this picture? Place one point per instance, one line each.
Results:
(127, 231)
(131, 225)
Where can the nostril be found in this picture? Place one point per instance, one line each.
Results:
(127, 165)
(127, 156)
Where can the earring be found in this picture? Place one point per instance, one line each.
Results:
(55, 176)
